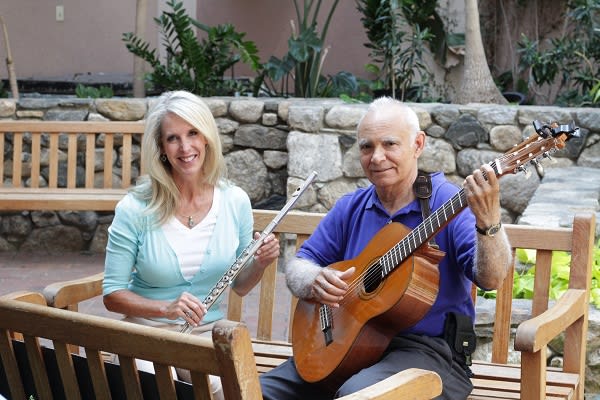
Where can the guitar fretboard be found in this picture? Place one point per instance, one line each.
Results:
(426, 229)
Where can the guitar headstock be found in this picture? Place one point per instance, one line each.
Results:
(551, 137)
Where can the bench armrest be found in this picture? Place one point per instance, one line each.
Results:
(537, 332)
(412, 383)
(69, 294)
(26, 296)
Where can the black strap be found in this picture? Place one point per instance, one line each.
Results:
(423, 190)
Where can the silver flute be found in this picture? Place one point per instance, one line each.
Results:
(247, 254)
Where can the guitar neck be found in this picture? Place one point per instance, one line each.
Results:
(423, 232)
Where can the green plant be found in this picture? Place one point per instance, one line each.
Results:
(396, 48)
(299, 70)
(191, 64)
(83, 91)
(595, 92)
(569, 62)
(561, 261)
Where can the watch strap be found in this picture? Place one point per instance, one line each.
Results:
(486, 230)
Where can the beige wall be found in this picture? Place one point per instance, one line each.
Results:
(267, 22)
(89, 38)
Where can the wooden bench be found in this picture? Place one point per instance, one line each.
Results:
(30, 365)
(495, 379)
(51, 165)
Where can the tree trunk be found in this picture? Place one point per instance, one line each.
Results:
(12, 76)
(477, 84)
(139, 90)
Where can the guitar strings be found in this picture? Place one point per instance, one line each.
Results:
(390, 260)
(407, 245)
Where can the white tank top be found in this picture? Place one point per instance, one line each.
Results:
(190, 245)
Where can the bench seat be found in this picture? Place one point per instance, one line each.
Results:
(59, 199)
(502, 381)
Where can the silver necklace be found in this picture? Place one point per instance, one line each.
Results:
(191, 221)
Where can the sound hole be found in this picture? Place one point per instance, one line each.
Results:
(372, 278)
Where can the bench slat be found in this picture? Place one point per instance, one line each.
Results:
(53, 162)
(90, 160)
(60, 199)
(67, 370)
(108, 161)
(513, 372)
(36, 152)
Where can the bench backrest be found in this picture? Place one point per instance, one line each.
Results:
(275, 311)
(57, 150)
(230, 357)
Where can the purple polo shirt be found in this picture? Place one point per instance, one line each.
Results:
(356, 217)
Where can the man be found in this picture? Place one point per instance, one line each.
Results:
(390, 144)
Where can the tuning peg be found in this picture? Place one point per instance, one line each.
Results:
(524, 169)
(539, 168)
(548, 157)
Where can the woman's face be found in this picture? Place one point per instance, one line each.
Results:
(184, 146)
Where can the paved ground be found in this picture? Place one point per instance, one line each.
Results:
(36, 271)
(562, 193)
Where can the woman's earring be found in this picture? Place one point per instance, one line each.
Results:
(163, 157)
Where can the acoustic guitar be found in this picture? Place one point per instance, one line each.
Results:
(395, 283)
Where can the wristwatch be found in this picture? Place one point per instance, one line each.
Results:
(490, 230)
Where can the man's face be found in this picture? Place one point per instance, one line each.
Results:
(388, 149)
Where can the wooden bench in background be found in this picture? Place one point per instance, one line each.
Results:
(39, 362)
(51, 165)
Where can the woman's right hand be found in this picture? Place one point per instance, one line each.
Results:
(188, 307)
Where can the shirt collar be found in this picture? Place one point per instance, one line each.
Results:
(374, 203)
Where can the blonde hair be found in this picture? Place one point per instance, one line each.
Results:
(157, 187)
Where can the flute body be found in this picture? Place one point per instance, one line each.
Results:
(247, 254)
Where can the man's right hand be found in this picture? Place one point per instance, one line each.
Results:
(330, 286)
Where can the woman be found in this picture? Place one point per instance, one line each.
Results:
(180, 228)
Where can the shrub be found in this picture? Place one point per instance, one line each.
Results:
(198, 66)
(561, 261)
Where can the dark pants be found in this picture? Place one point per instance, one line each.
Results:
(409, 351)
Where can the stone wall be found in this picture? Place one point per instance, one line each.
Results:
(282, 140)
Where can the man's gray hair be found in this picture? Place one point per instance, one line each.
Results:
(410, 116)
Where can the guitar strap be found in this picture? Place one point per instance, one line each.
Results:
(423, 190)
(458, 328)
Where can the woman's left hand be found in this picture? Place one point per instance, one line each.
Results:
(268, 252)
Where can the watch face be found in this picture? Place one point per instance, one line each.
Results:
(493, 230)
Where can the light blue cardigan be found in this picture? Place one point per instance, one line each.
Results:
(139, 258)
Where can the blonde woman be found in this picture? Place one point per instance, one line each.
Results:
(180, 228)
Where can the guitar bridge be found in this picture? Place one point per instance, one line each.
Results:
(326, 321)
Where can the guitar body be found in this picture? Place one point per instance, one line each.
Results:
(371, 313)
